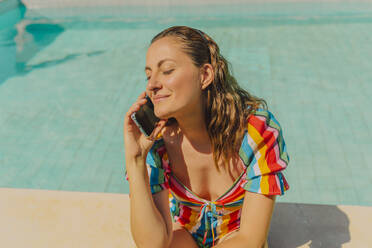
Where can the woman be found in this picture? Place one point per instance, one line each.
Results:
(213, 163)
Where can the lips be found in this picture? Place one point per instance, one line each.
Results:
(159, 98)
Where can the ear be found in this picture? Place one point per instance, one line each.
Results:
(206, 75)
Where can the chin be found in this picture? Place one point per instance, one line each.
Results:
(167, 109)
(161, 114)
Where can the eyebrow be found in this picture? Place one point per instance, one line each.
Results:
(159, 64)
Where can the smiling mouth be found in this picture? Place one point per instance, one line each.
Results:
(160, 98)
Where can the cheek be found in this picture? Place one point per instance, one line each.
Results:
(183, 85)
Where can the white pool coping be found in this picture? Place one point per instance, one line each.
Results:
(45, 218)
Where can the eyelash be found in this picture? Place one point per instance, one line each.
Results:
(166, 72)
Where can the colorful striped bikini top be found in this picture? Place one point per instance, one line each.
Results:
(263, 156)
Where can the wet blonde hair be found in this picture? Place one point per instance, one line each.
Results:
(227, 106)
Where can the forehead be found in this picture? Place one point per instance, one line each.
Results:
(165, 47)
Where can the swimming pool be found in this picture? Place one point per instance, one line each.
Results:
(68, 76)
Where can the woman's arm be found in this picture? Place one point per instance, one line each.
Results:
(147, 224)
(254, 222)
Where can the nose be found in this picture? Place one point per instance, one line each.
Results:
(153, 84)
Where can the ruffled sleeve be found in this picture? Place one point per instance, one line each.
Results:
(157, 174)
(264, 153)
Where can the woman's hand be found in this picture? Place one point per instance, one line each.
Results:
(136, 143)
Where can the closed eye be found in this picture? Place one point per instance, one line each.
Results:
(166, 72)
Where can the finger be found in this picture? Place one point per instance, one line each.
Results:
(142, 101)
(159, 126)
(131, 110)
(135, 107)
(142, 95)
(162, 122)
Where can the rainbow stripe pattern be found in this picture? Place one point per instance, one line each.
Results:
(263, 157)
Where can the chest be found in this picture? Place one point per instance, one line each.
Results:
(197, 172)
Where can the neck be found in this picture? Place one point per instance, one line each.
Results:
(193, 130)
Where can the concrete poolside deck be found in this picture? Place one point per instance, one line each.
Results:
(45, 218)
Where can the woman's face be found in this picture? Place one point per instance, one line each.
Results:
(171, 73)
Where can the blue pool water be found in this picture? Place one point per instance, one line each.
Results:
(68, 76)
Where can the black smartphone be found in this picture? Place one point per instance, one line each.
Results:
(145, 118)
